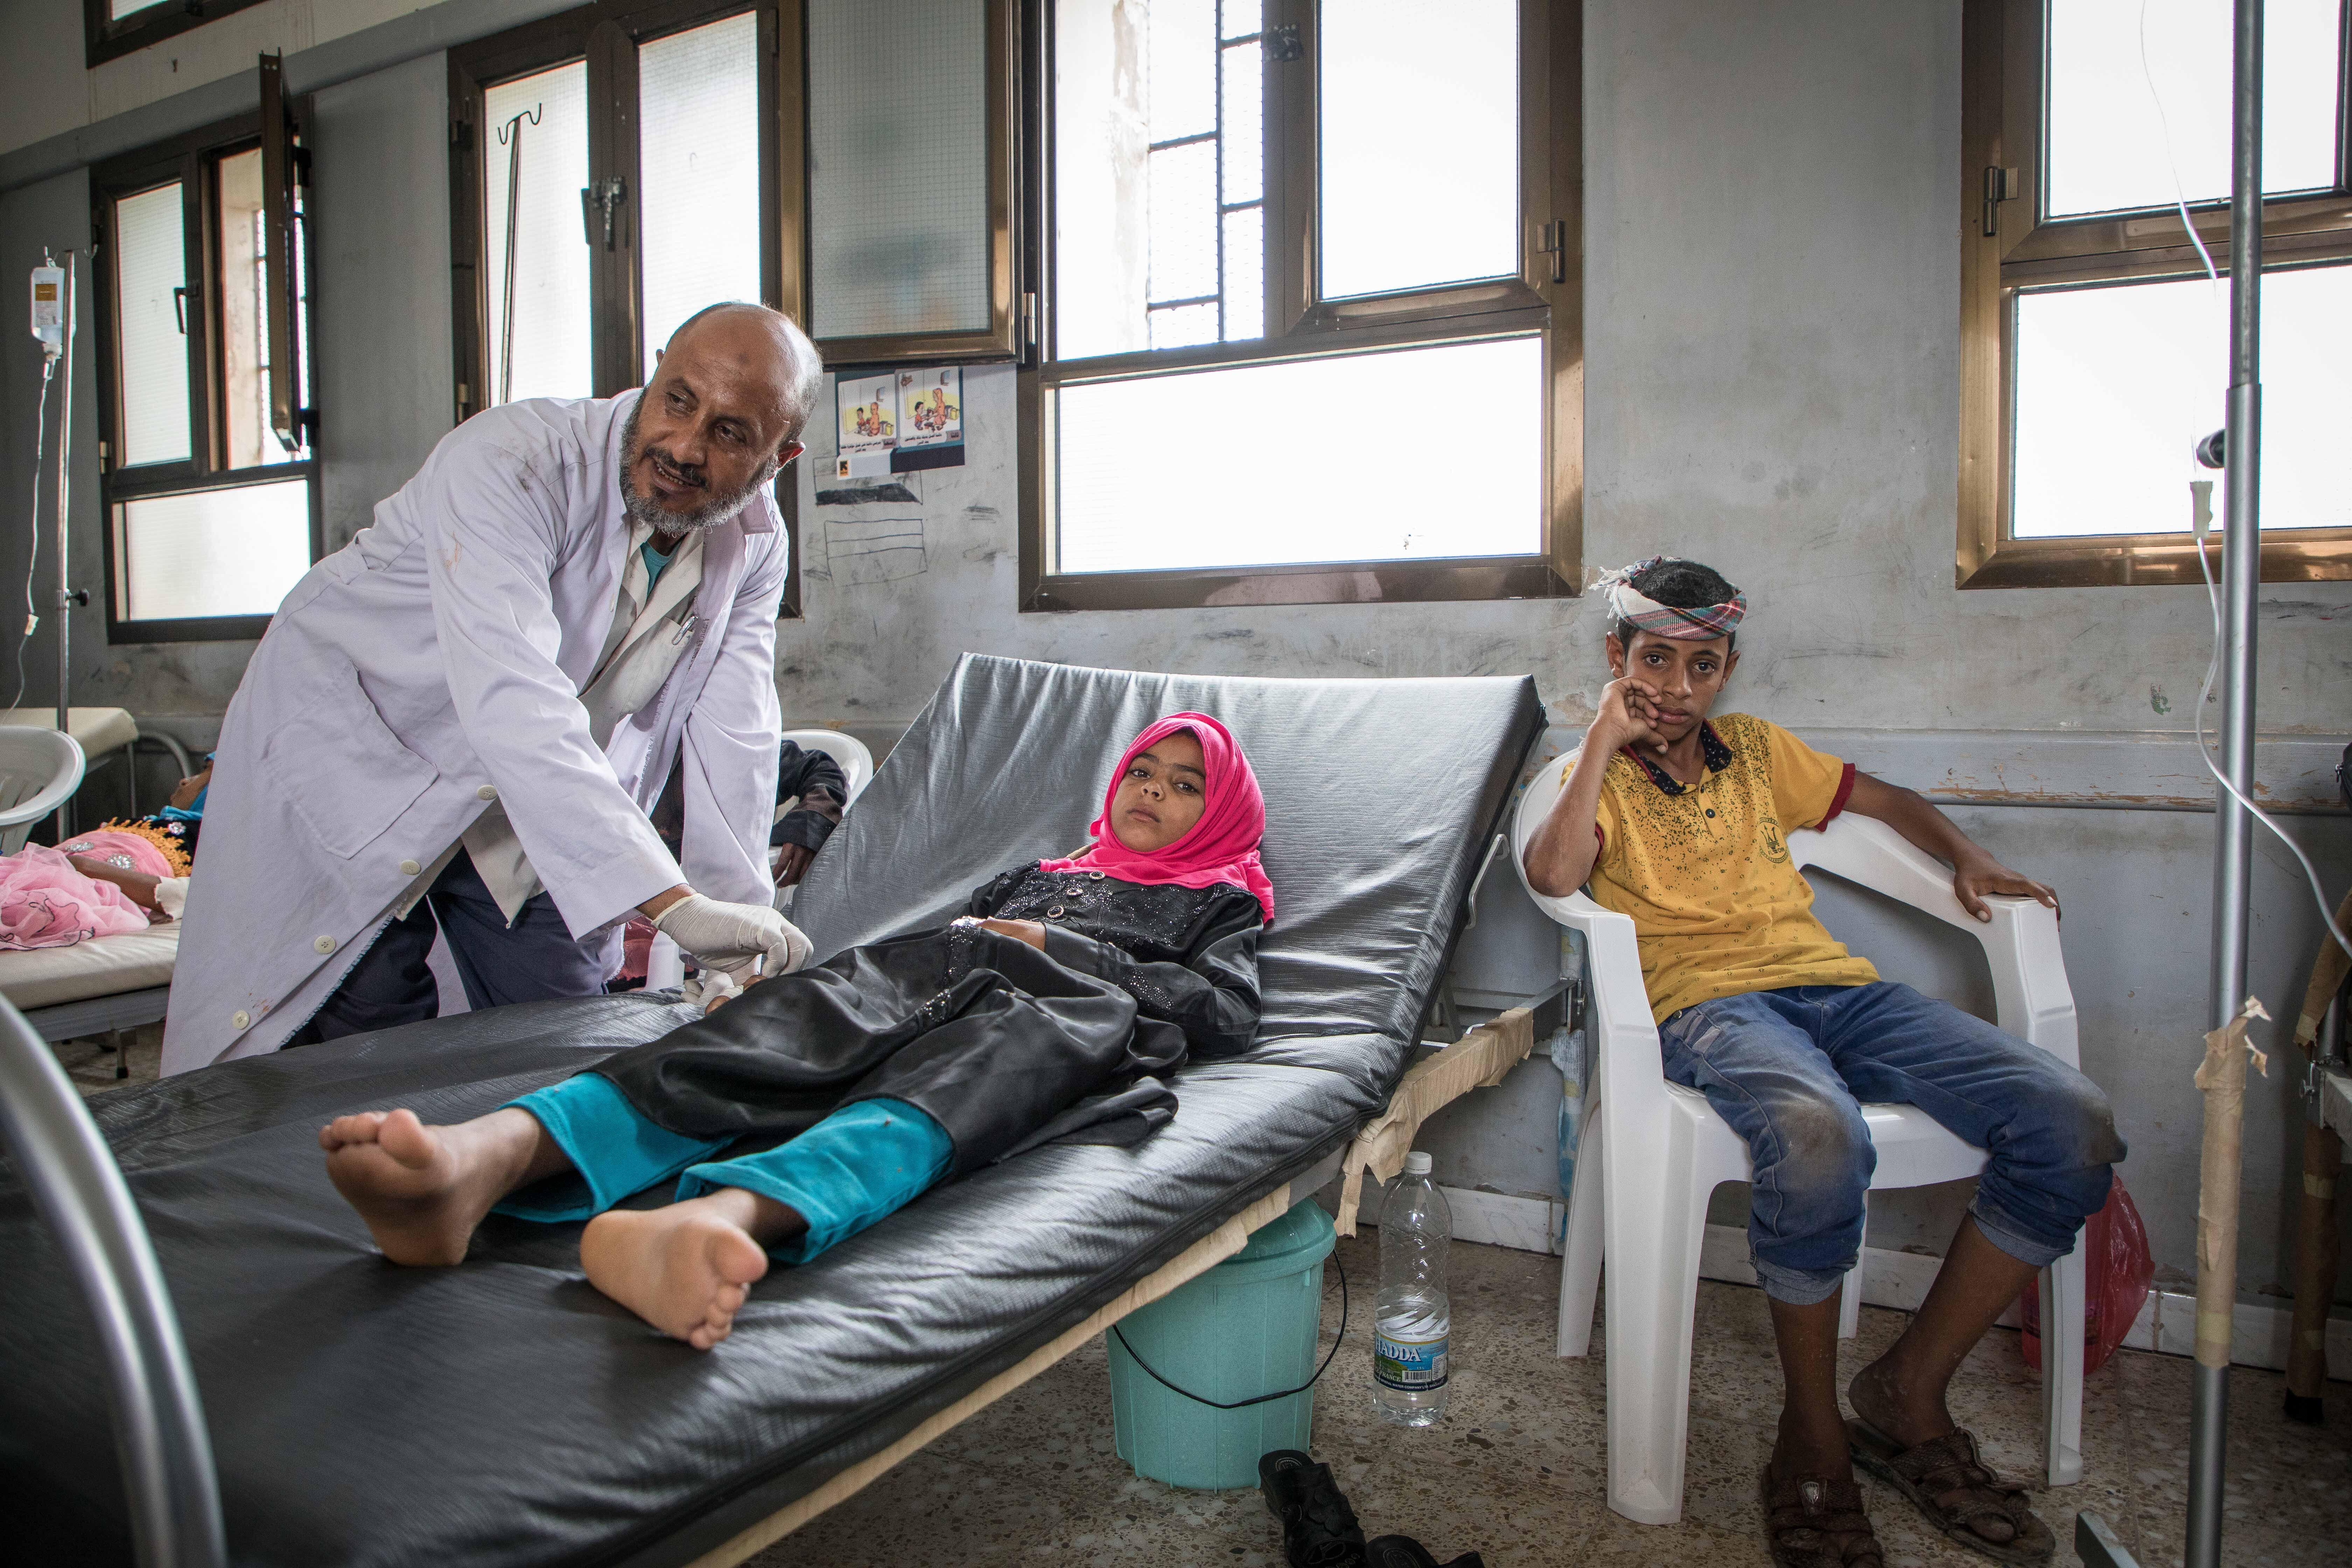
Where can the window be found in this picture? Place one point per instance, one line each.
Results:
(2093, 349)
(116, 28)
(1309, 291)
(614, 170)
(210, 483)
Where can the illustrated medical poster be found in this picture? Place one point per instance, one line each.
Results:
(867, 407)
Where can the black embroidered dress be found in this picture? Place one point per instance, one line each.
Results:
(1004, 1046)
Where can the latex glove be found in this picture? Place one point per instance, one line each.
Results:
(730, 936)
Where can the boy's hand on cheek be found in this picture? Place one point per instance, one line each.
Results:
(1980, 875)
(1628, 716)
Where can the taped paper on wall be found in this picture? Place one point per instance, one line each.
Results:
(867, 409)
(898, 422)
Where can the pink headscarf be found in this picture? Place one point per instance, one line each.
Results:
(1220, 848)
(44, 903)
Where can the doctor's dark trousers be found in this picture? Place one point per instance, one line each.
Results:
(532, 960)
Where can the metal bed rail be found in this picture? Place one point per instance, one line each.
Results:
(159, 1422)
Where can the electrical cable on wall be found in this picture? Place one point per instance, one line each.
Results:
(2208, 451)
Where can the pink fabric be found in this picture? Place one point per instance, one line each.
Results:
(1222, 846)
(128, 851)
(44, 903)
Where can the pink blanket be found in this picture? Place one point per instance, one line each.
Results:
(44, 903)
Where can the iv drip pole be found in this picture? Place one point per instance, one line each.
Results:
(2241, 560)
(64, 609)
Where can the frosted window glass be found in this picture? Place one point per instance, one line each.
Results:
(2109, 147)
(1183, 68)
(698, 152)
(1159, 158)
(1184, 222)
(117, 9)
(899, 218)
(151, 365)
(551, 306)
(1420, 144)
(2115, 385)
(1308, 462)
(214, 552)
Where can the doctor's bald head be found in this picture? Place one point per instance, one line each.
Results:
(722, 412)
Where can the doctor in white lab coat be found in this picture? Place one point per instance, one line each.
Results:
(460, 720)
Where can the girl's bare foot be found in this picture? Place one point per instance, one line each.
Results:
(421, 1189)
(686, 1267)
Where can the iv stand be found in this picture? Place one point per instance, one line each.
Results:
(64, 608)
(2241, 563)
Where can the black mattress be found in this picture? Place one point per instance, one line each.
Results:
(504, 1412)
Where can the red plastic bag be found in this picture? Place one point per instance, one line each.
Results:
(2115, 1245)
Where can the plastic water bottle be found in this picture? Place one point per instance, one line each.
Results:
(1413, 1321)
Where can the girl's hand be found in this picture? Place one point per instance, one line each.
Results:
(1029, 932)
(1978, 874)
(1628, 716)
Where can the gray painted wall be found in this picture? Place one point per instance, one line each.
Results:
(1771, 385)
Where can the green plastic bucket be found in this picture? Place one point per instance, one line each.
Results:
(1245, 1328)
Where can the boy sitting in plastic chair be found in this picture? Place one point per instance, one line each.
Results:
(1681, 823)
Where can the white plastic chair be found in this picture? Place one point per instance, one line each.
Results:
(1656, 1152)
(38, 770)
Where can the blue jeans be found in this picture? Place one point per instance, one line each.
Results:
(1788, 1071)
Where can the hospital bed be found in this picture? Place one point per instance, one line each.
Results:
(96, 987)
(504, 1412)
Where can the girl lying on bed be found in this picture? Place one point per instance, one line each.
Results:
(1048, 1011)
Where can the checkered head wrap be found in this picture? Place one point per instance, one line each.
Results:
(1629, 605)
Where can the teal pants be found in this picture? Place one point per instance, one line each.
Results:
(862, 1162)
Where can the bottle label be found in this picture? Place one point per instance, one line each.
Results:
(1416, 1366)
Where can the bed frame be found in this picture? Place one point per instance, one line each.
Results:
(839, 1369)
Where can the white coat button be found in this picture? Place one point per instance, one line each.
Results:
(240, 1020)
(487, 792)
(324, 945)
(410, 867)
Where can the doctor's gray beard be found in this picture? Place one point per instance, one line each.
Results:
(713, 513)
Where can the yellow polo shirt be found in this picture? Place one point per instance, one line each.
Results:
(1719, 907)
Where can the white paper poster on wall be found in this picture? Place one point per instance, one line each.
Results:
(867, 408)
(898, 421)
(930, 409)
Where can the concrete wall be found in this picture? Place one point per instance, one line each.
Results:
(51, 92)
(383, 355)
(1771, 386)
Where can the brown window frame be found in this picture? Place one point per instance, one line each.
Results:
(606, 35)
(193, 159)
(1546, 297)
(105, 39)
(2002, 92)
(1000, 338)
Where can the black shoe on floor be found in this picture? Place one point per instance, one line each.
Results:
(1318, 1528)
(1404, 1552)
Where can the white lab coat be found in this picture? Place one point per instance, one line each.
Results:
(433, 665)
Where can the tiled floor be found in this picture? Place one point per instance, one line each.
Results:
(1515, 1469)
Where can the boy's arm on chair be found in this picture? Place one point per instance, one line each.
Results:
(1975, 870)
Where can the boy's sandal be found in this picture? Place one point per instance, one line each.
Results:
(1973, 1507)
(1812, 1522)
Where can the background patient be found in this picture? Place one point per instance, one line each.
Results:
(1047, 1011)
